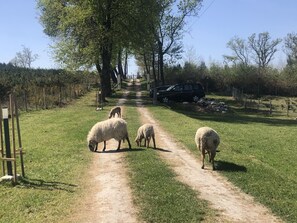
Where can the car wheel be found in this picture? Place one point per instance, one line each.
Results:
(165, 100)
(195, 98)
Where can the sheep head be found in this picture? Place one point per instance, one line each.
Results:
(93, 146)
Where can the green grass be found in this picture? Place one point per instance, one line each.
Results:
(56, 160)
(257, 153)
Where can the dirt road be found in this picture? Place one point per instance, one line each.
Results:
(109, 198)
(231, 204)
(112, 200)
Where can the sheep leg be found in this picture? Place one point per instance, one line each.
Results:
(212, 156)
(154, 142)
(202, 158)
(148, 142)
(209, 156)
(128, 142)
(104, 147)
(140, 139)
(119, 145)
(138, 142)
(202, 152)
(199, 144)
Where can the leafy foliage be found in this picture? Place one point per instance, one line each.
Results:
(91, 33)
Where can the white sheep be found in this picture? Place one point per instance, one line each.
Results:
(115, 128)
(147, 133)
(207, 141)
(114, 111)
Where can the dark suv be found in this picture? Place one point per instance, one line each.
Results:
(190, 92)
(159, 88)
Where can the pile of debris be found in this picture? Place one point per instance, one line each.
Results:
(212, 105)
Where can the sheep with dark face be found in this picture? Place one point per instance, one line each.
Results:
(147, 133)
(114, 111)
(207, 141)
(115, 128)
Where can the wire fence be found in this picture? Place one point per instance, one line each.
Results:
(269, 105)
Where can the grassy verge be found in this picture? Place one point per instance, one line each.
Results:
(257, 153)
(56, 162)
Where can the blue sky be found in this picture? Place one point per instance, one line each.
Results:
(20, 27)
(219, 21)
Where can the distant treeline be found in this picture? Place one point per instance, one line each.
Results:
(43, 88)
(248, 79)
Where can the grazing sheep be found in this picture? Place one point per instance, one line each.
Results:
(114, 111)
(115, 128)
(207, 141)
(145, 132)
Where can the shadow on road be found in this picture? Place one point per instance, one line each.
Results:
(121, 150)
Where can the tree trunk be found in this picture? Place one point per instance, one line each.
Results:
(161, 70)
(161, 62)
(147, 67)
(104, 76)
(126, 65)
(114, 76)
(120, 66)
(106, 54)
(154, 69)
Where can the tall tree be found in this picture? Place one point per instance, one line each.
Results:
(171, 22)
(89, 33)
(240, 51)
(263, 48)
(290, 43)
(24, 58)
(144, 45)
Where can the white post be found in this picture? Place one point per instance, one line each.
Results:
(5, 113)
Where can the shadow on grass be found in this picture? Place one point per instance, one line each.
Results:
(229, 167)
(190, 110)
(46, 185)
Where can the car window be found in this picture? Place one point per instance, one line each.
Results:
(188, 87)
(197, 86)
(177, 88)
(168, 89)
